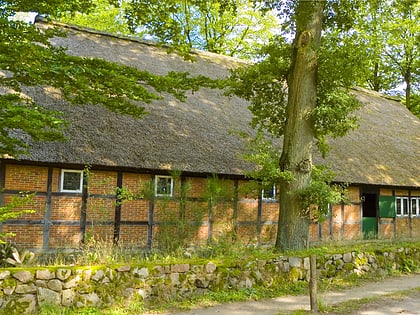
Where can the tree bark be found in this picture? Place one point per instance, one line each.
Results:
(293, 228)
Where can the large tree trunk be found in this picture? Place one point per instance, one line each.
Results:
(293, 228)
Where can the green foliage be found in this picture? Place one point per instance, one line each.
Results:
(19, 116)
(316, 198)
(264, 85)
(217, 190)
(10, 256)
(6, 250)
(390, 32)
(10, 7)
(105, 16)
(265, 155)
(176, 230)
(13, 209)
(414, 104)
(231, 27)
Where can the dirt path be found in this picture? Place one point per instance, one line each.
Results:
(286, 304)
(401, 305)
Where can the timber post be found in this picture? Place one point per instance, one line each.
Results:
(313, 284)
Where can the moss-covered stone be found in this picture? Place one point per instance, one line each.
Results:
(348, 267)
(294, 274)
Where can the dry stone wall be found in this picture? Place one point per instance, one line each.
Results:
(24, 291)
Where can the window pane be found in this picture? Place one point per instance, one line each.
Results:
(269, 193)
(405, 206)
(71, 181)
(414, 206)
(398, 206)
(163, 186)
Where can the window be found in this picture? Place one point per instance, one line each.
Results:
(71, 181)
(163, 186)
(270, 193)
(415, 206)
(401, 205)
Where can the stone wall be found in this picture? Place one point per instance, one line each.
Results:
(24, 290)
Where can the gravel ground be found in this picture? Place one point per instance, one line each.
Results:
(403, 305)
(406, 305)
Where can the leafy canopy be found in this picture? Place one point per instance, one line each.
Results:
(231, 27)
(388, 34)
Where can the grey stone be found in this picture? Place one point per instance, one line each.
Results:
(143, 293)
(71, 283)
(67, 297)
(9, 290)
(45, 274)
(63, 274)
(180, 268)
(4, 274)
(295, 262)
(211, 267)
(337, 256)
(84, 288)
(99, 274)
(124, 269)
(55, 285)
(347, 257)
(23, 276)
(91, 299)
(306, 263)
(87, 274)
(174, 278)
(47, 296)
(371, 259)
(23, 304)
(201, 283)
(25, 288)
(144, 272)
(41, 283)
(285, 267)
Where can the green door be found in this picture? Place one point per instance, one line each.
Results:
(370, 228)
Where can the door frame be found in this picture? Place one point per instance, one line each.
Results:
(369, 197)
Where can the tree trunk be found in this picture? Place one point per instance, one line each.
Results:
(407, 79)
(293, 228)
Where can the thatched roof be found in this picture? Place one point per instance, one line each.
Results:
(200, 135)
(384, 150)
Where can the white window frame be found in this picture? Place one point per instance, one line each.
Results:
(63, 171)
(274, 197)
(400, 212)
(170, 194)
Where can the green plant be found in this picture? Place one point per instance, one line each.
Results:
(5, 252)
(10, 256)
